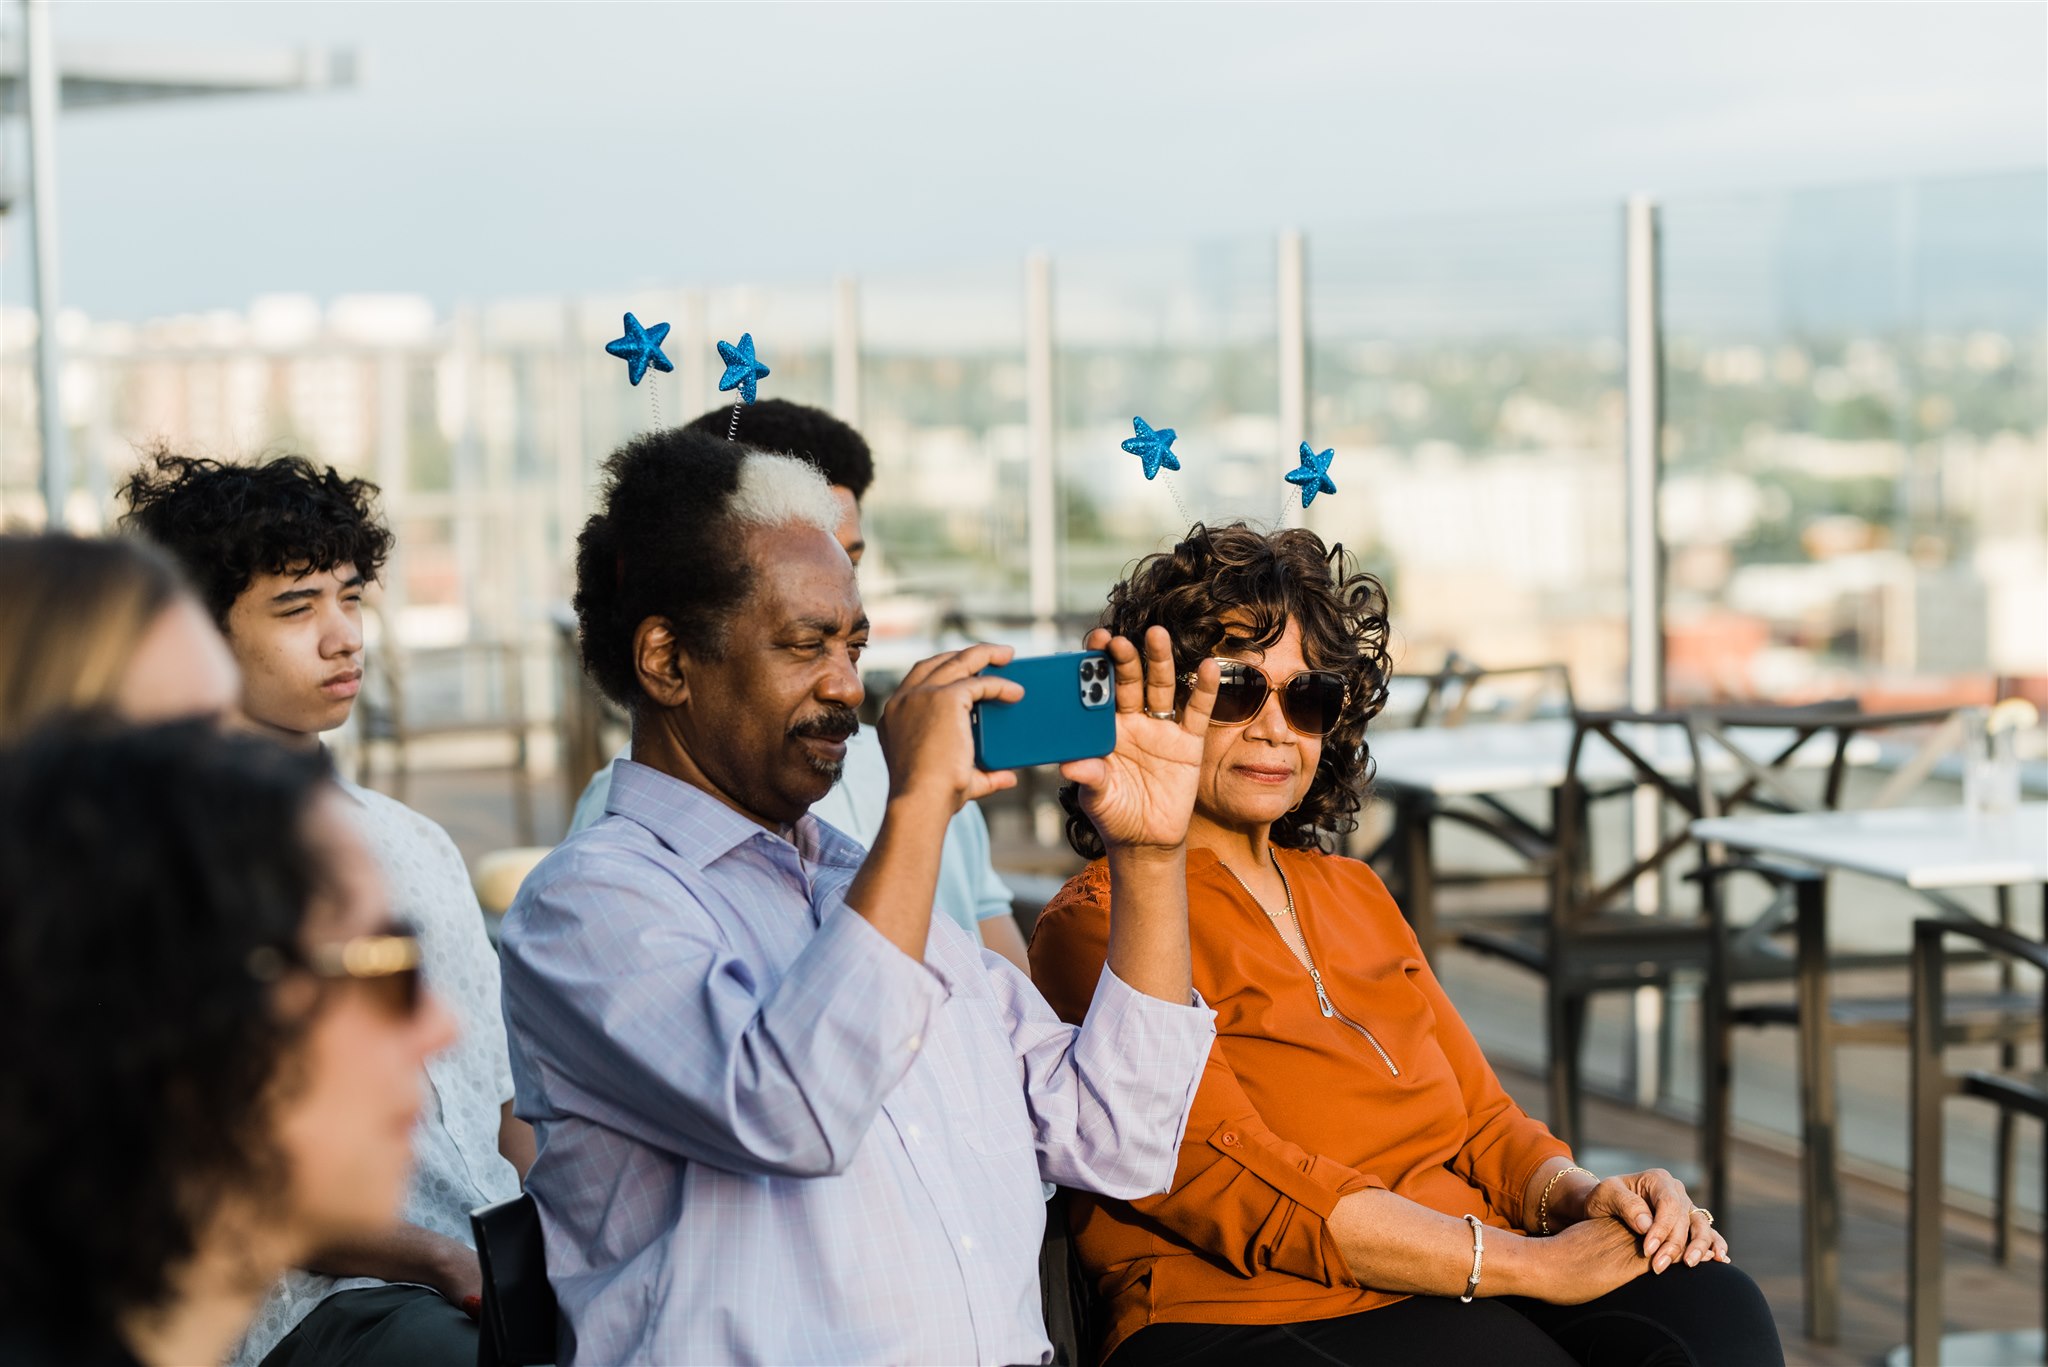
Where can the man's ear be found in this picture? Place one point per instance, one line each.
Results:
(660, 663)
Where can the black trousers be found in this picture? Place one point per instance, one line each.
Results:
(1712, 1315)
(380, 1326)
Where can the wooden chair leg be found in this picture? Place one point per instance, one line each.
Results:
(1567, 1025)
(1923, 1211)
(1821, 1215)
(1717, 1095)
(2006, 1172)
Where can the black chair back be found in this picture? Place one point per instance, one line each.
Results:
(519, 1316)
(1064, 1290)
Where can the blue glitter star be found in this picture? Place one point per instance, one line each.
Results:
(1154, 448)
(741, 369)
(1314, 474)
(640, 348)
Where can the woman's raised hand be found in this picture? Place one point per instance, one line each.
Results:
(1655, 1206)
(1143, 792)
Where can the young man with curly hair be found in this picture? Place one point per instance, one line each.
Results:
(281, 552)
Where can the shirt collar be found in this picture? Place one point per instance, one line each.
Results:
(703, 830)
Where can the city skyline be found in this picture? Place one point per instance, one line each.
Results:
(501, 151)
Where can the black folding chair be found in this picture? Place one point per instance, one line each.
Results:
(519, 1316)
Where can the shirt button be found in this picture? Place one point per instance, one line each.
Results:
(967, 1243)
(913, 1133)
(914, 1043)
(1229, 1139)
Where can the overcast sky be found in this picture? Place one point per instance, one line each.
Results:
(496, 149)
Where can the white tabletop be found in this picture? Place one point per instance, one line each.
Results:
(1922, 847)
(1503, 757)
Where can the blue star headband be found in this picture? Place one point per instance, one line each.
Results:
(1313, 474)
(742, 370)
(1154, 447)
(639, 349)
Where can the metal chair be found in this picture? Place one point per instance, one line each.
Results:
(2013, 1092)
(1464, 693)
(1756, 954)
(412, 695)
(1066, 1295)
(518, 1321)
(1593, 938)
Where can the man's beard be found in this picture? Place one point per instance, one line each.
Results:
(836, 721)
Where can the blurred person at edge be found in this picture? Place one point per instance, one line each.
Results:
(1355, 1185)
(786, 1113)
(214, 1037)
(104, 624)
(281, 551)
(970, 892)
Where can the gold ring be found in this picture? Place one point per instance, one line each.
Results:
(1702, 1210)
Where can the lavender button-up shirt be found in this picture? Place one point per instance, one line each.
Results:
(768, 1135)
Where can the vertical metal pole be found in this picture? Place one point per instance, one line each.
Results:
(846, 350)
(692, 355)
(1042, 501)
(42, 141)
(1293, 326)
(1643, 326)
(392, 475)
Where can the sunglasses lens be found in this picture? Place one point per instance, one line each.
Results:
(1313, 701)
(1240, 696)
(396, 994)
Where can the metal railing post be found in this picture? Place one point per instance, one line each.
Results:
(1642, 335)
(1042, 497)
(846, 350)
(1292, 314)
(42, 139)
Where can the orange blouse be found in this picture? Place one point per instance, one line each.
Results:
(1295, 1109)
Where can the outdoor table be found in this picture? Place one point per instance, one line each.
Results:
(1926, 848)
(1421, 769)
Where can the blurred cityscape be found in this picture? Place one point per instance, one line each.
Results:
(1855, 493)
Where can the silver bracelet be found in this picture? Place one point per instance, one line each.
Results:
(1478, 1251)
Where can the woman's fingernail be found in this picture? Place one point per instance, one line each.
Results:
(1642, 1223)
(1650, 1248)
(1692, 1259)
(1663, 1262)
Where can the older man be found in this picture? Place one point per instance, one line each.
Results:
(785, 1114)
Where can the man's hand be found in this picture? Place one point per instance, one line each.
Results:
(928, 734)
(1142, 793)
(1655, 1206)
(460, 1278)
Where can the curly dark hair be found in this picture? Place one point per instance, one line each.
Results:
(659, 545)
(226, 523)
(1267, 579)
(797, 429)
(141, 868)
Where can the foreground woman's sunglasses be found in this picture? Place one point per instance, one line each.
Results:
(1312, 700)
(386, 966)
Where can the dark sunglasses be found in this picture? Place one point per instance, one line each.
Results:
(1312, 700)
(385, 966)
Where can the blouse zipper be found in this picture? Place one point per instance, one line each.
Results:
(1315, 975)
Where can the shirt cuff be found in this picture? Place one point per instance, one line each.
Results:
(1158, 1047)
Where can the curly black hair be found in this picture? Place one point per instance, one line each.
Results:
(797, 429)
(142, 868)
(1263, 580)
(659, 545)
(226, 523)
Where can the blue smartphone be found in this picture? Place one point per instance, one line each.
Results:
(1068, 711)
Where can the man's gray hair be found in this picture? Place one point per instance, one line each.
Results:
(777, 490)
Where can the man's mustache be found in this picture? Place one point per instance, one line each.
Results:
(836, 722)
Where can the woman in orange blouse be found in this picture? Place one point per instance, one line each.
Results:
(1352, 1171)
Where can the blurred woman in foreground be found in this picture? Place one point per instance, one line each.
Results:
(103, 624)
(212, 1033)
(1354, 1185)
